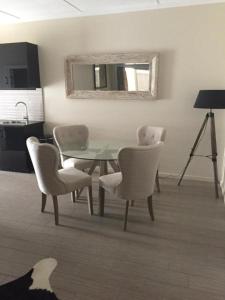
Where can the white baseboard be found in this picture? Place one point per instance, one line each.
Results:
(177, 176)
(186, 177)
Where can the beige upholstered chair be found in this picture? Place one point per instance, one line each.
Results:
(149, 135)
(67, 137)
(136, 180)
(54, 182)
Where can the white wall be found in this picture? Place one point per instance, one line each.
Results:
(191, 42)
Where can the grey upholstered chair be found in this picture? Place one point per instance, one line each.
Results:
(54, 182)
(136, 180)
(67, 137)
(149, 135)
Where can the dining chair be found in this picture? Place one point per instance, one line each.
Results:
(54, 182)
(69, 137)
(136, 180)
(149, 135)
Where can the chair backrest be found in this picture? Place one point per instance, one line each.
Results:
(70, 136)
(45, 159)
(138, 166)
(149, 135)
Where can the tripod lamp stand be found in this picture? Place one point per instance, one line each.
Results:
(208, 99)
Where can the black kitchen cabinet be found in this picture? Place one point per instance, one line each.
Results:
(19, 67)
(14, 155)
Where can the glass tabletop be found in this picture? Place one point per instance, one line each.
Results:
(95, 150)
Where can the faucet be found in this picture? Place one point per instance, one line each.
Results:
(26, 118)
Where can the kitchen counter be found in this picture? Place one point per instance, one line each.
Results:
(19, 122)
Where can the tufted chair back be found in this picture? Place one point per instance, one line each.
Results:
(148, 135)
(45, 159)
(138, 166)
(70, 137)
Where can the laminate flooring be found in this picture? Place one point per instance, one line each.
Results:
(179, 256)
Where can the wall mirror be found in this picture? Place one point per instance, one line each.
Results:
(112, 76)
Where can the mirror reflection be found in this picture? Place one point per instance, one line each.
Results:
(112, 77)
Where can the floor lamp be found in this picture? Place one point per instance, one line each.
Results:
(208, 99)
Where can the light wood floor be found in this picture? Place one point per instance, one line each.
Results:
(179, 256)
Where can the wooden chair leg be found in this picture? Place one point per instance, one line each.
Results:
(150, 208)
(44, 199)
(101, 201)
(90, 200)
(126, 215)
(56, 209)
(157, 181)
(73, 197)
(132, 203)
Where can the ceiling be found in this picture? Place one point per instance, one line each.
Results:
(14, 11)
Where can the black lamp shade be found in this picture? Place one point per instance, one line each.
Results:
(210, 99)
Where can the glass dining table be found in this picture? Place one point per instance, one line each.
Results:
(101, 152)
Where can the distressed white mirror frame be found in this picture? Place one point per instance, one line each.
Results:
(151, 58)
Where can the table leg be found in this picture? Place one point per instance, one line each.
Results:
(103, 167)
(90, 172)
(114, 165)
(103, 171)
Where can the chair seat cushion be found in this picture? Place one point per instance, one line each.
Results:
(74, 179)
(80, 164)
(111, 182)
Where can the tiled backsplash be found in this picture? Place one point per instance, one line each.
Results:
(33, 99)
